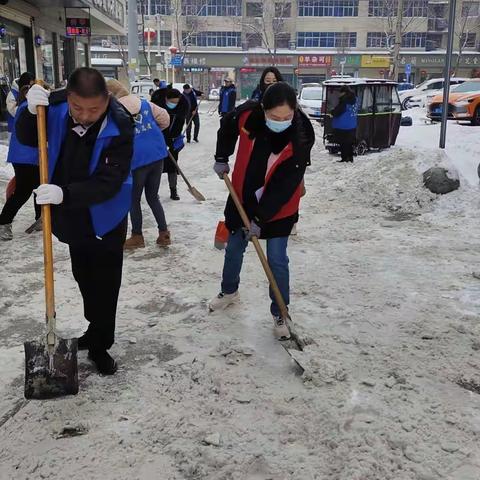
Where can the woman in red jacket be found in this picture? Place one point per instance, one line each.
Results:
(274, 150)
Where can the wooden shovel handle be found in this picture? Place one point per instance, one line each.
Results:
(175, 163)
(46, 218)
(261, 255)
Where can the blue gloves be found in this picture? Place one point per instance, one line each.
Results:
(220, 169)
(179, 143)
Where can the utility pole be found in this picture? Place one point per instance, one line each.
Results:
(398, 40)
(132, 30)
(446, 73)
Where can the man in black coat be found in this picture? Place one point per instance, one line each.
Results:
(90, 140)
(193, 116)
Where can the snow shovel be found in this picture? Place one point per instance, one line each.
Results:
(50, 364)
(195, 193)
(295, 341)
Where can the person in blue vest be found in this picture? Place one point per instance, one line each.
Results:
(149, 151)
(193, 116)
(25, 79)
(344, 123)
(228, 97)
(24, 160)
(90, 148)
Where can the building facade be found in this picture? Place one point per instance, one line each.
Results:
(34, 37)
(309, 40)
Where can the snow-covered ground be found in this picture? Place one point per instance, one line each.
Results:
(381, 280)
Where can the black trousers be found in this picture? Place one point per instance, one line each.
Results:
(27, 178)
(196, 131)
(97, 268)
(346, 140)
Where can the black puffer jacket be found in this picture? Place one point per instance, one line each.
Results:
(284, 181)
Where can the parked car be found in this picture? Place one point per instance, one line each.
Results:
(214, 94)
(310, 99)
(405, 86)
(142, 88)
(416, 97)
(463, 103)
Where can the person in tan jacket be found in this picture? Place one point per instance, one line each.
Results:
(147, 164)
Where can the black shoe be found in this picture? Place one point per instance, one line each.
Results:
(188, 140)
(83, 342)
(105, 364)
(174, 194)
(196, 140)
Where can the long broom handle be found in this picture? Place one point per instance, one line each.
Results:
(261, 255)
(47, 227)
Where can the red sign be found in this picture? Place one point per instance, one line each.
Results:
(248, 70)
(266, 60)
(77, 27)
(312, 61)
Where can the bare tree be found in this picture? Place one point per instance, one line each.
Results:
(122, 52)
(185, 15)
(468, 22)
(265, 26)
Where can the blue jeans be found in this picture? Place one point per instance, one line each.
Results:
(277, 259)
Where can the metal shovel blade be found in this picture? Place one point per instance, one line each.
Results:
(196, 194)
(50, 374)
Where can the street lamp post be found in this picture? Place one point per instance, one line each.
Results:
(446, 74)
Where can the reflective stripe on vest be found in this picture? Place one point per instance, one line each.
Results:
(149, 144)
(244, 154)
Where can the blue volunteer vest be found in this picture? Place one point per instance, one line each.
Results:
(224, 107)
(149, 144)
(10, 118)
(17, 152)
(348, 119)
(107, 215)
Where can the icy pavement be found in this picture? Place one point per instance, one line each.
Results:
(381, 279)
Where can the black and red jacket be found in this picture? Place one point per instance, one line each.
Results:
(269, 168)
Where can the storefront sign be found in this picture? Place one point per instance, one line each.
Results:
(220, 69)
(113, 9)
(188, 60)
(267, 60)
(194, 69)
(350, 60)
(421, 61)
(373, 61)
(313, 61)
(77, 27)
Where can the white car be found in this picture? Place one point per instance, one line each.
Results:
(417, 97)
(142, 88)
(214, 94)
(310, 100)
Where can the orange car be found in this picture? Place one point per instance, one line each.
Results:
(463, 103)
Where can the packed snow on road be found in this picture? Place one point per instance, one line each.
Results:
(382, 285)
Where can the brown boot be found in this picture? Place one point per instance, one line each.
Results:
(135, 241)
(164, 239)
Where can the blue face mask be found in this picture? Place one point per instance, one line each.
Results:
(277, 126)
(171, 105)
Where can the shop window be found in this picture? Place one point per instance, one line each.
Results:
(383, 8)
(283, 9)
(212, 8)
(254, 9)
(468, 40)
(414, 39)
(282, 40)
(213, 39)
(328, 8)
(327, 39)
(470, 9)
(254, 40)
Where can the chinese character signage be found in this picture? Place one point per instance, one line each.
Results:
(373, 61)
(266, 61)
(78, 27)
(313, 61)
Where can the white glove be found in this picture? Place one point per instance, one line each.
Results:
(49, 194)
(36, 96)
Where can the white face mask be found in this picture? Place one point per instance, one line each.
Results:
(277, 126)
